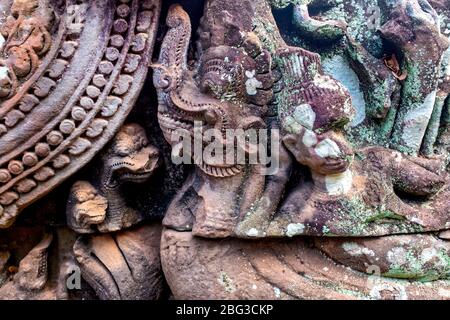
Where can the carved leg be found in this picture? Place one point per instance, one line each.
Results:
(123, 265)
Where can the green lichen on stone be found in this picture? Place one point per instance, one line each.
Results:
(411, 90)
(376, 97)
(267, 33)
(433, 127)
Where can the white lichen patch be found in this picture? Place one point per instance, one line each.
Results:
(356, 250)
(305, 115)
(327, 149)
(395, 290)
(416, 122)
(295, 229)
(291, 125)
(338, 184)
(397, 256)
(398, 157)
(428, 254)
(252, 84)
(444, 293)
(417, 220)
(340, 70)
(325, 82)
(309, 138)
(253, 232)
(446, 64)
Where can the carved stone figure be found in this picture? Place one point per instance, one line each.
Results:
(363, 151)
(31, 269)
(70, 73)
(309, 141)
(123, 263)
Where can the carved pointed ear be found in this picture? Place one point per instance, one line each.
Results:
(291, 143)
(175, 46)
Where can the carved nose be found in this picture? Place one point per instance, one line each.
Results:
(153, 161)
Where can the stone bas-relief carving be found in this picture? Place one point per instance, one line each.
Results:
(117, 264)
(124, 265)
(118, 258)
(362, 127)
(100, 205)
(24, 39)
(355, 94)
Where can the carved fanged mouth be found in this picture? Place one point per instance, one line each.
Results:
(137, 176)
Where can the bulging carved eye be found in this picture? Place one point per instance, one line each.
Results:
(143, 142)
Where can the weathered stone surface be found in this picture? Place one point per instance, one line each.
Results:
(367, 123)
(58, 79)
(41, 272)
(100, 204)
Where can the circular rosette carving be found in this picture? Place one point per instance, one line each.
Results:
(70, 72)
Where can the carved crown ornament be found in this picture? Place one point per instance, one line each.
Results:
(70, 72)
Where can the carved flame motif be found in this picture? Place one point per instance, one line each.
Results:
(218, 92)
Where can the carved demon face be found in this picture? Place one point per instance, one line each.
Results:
(5, 82)
(131, 158)
(89, 206)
